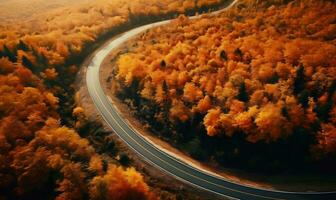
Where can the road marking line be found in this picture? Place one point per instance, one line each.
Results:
(221, 186)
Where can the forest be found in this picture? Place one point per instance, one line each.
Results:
(251, 88)
(45, 152)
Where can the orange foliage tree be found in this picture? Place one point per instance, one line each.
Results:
(266, 75)
(39, 56)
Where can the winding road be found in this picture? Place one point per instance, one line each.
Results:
(160, 159)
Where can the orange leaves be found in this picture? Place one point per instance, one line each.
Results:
(24, 74)
(177, 51)
(51, 100)
(147, 91)
(119, 184)
(182, 78)
(24, 112)
(216, 122)
(296, 111)
(78, 111)
(236, 107)
(130, 68)
(160, 94)
(179, 111)
(96, 164)
(67, 140)
(14, 130)
(204, 105)
(283, 70)
(242, 74)
(191, 93)
(270, 124)
(212, 121)
(157, 76)
(73, 185)
(206, 2)
(309, 52)
(327, 139)
(62, 49)
(50, 74)
(31, 169)
(62, 151)
(6, 66)
(244, 120)
(266, 72)
(38, 51)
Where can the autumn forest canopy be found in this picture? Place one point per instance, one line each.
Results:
(46, 145)
(253, 87)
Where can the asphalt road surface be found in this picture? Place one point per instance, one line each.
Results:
(165, 162)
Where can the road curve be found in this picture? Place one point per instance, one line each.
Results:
(167, 163)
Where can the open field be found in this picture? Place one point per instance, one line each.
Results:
(18, 9)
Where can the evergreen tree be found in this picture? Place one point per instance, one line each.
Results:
(332, 88)
(238, 53)
(166, 108)
(223, 55)
(9, 54)
(299, 82)
(243, 95)
(23, 46)
(163, 64)
(304, 98)
(26, 62)
(40, 57)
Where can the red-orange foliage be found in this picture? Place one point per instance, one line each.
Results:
(34, 146)
(36, 54)
(119, 184)
(326, 141)
(264, 72)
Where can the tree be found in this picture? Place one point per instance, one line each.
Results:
(6, 66)
(204, 104)
(304, 98)
(191, 93)
(327, 139)
(194, 148)
(25, 75)
(212, 121)
(238, 53)
(223, 55)
(41, 59)
(23, 46)
(124, 159)
(270, 124)
(50, 74)
(27, 63)
(119, 184)
(242, 94)
(323, 109)
(9, 54)
(178, 111)
(299, 81)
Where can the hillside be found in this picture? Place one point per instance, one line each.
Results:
(46, 151)
(253, 88)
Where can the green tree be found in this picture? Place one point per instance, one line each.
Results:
(9, 54)
(299, 82)
(22, 46)
(243, 95)
(223, 55)
(26, 62)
